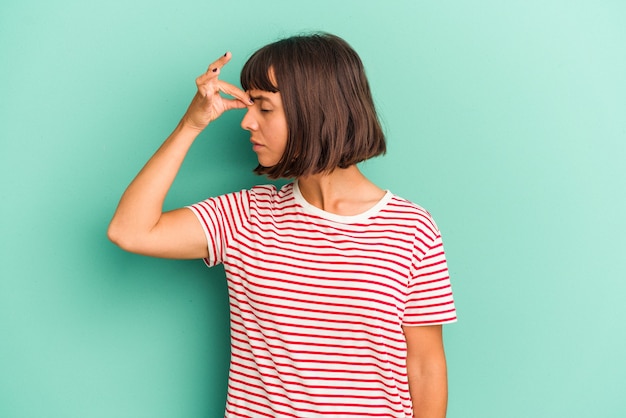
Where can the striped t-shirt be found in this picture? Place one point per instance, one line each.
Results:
(318, 301)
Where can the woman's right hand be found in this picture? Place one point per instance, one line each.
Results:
(208, 104)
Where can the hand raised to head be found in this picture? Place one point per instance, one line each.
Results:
(208, 104)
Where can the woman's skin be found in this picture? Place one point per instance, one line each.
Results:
(139, 224)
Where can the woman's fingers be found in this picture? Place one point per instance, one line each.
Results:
(209, 103)
(235, 92)
(206, 82)
(217, 65)
(209, 84)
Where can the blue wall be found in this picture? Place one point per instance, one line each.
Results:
(505, 119)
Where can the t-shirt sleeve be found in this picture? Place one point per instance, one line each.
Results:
(222, 218)
(430, 300)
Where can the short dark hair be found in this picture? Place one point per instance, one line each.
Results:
(331, 118)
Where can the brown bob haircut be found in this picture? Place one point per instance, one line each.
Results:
(331, 118)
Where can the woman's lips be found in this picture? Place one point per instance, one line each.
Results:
(256, 145)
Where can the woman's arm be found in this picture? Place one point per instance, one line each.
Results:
(139, 224)
(426, 368)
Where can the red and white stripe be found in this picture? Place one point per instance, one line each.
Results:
(318, 301)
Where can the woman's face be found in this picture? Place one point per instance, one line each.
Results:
(267, 124)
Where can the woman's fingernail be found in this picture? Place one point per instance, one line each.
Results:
(214, 70)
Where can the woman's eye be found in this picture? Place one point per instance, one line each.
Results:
(266, 110)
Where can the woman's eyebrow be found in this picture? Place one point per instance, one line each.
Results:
(259, 97)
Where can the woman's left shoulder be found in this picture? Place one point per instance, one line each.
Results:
(411, 210)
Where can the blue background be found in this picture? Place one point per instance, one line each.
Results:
(506, 120)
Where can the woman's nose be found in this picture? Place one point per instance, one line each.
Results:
(248, 122)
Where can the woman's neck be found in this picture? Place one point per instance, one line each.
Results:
(345, 191)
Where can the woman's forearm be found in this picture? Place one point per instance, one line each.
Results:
(429, 393)
(427, 371)
(141, 205)
(139, 224)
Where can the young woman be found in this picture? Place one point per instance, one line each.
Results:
(338, 289)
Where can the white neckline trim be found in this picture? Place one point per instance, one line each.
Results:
(309, 208)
